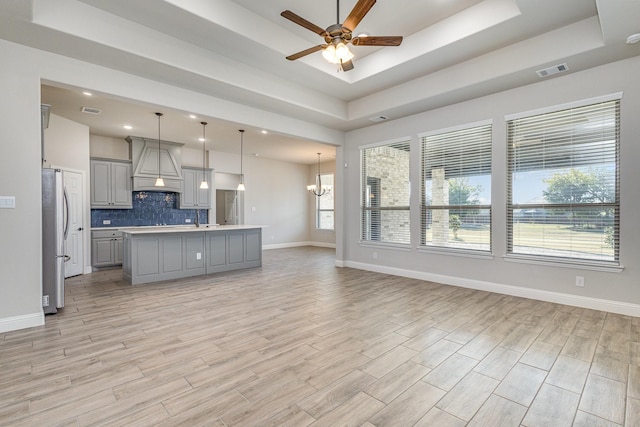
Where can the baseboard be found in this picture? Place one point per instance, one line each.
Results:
(537, 294)
(21, 322)
(297, 245)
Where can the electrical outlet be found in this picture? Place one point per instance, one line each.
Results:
(198, 255)
(45, 300)
(187, 220)
(580, 281)
(106, 222)
(375, 255)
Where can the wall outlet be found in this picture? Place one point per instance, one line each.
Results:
(107, 221)
(375, 255)
(198, 254)
(45, 300)
(187, 220)
(580, 281)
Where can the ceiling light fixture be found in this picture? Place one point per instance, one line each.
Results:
(633, 38)
(241, 185)
(204, 184)
(318, 189)
(159, 181)
(127, 127)
(87, 93)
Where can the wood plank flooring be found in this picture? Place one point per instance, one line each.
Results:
(299, 342)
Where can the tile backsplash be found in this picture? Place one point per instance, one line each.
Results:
(149, 208)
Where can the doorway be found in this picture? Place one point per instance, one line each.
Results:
(228, 207)
(74, 243)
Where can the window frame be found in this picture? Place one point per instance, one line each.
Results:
(557, 260)
(319, 210)
(482, 129)
(367, 211)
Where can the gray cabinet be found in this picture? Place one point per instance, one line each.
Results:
(192, 196)
(151, 257)
(106, 248)
(110, 184)
(234, 249)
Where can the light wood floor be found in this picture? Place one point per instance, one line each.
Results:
(299, 342)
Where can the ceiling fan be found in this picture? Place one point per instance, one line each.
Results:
(338, 36)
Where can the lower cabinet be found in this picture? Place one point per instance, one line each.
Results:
(166, 256)
(106, 248)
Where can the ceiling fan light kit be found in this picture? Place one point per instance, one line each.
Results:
(338, 36)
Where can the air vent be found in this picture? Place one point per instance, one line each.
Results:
(561, 68)
(90, 110)
(377, 119)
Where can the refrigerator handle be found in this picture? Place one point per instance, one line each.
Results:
(66, 214)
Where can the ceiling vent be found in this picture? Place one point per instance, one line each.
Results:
(378, 119)
(90, 110)
(561, 68)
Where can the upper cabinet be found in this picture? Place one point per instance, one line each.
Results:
(192, 196)
(110, 184)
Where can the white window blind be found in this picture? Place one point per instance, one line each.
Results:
(456, 189)
(385, 193)
(324, 205)
(563, 183)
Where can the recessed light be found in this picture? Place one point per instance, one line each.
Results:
(201, 139)
(255, 154)
(193, 116)
(263, 131)
(633, 38)
(127, 127)
(87, 93)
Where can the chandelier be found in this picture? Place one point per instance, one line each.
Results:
(318, 189)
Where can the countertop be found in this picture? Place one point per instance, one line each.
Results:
(184, 228)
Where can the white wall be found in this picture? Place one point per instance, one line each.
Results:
(109, 148)
(607, 290)
(20, 228)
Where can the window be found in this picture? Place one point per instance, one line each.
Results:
(385, 193)
(456, 188)
(324, 204)
(563, 182)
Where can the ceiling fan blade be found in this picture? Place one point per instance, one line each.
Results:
(347, 66)
(303, 22)
(357, 13)
(306, 52)
(377, 41)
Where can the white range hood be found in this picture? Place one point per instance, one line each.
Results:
(144, 157)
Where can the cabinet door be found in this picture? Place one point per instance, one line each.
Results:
(102, 252)
(100, 183)
(118, 252)
(204, 200)
(235, 247)
(121, 185)
(188, 196)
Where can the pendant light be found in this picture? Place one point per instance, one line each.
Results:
(159, 181)
(318, 189)
(241, 185)
(204, 185)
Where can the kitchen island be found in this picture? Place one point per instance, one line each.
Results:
(152, 254)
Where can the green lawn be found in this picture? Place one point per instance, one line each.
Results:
(552, 236)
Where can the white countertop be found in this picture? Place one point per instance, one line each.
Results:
(184, 228)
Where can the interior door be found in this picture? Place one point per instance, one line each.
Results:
(230, 207)
(74, 243)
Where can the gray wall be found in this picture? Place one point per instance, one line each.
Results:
(608, 290)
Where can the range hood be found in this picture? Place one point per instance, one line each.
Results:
(144, 158)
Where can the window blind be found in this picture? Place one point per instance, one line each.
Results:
(385, 193)
(563, 183)
(456, 189)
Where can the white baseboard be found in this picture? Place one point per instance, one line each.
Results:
(537, 294)
(297, 245)
(21, 322)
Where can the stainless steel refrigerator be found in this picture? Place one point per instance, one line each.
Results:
(55, 225)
